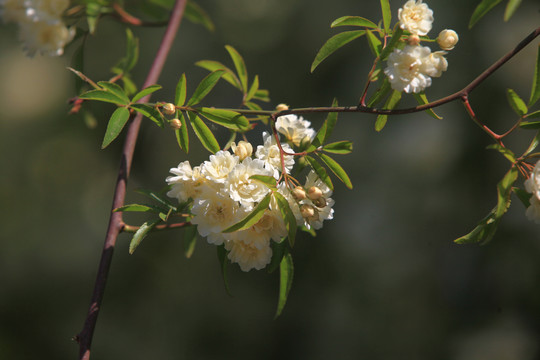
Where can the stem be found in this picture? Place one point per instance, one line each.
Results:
(84, 338)
(133, 229)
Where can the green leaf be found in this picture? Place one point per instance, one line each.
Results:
(387, 15)
(374, 43)
(105, 96)
(226, 118)
(506, 152)
(535, 114)
(190, 240)
(353, 21)
(141, 208)
(240, 67)
(481, 10)
(146, 91)
(197, 15)
(150, 112)
(129, 85)
(336, 169)
(223, 260)
(380, 93)
(180, 94)
(534, 144)
(523, 196)
(535, 90)
(116, 123)
(530, 125)
(253, 217)
(339, 147)
(93, 10)
(228, 76)
(482, 233)
(129, 61)
(394, 41)
(516, 102)
(286, 273)
(278, 251)
(320, 171)
(326, 129)
(157, 197)
(511, 7)
(205, 86)
(141, 233)
(422, 100)
(334, 43)
(253, 89)
(204, 134)
(288, 216)
(391, 103)
(182, 136)
(269, 181)
(504, 190)
(262, 95)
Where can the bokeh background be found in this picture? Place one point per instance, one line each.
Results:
(383, 280)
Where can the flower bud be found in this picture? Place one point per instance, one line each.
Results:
(175, 124)
(447, 39)
(309, 212)
(299, 193)
(168, 109)
(282, 107)
(413, 39)
(314, 193)
(320, 202)
(243, 150)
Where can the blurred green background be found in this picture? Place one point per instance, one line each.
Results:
(383, 280)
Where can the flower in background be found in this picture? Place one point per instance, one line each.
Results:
(415, 17)
(532, 185)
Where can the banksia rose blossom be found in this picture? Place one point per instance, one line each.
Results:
(243, 150)
(168, 109)
(404, 69)
(295, 129)
(532, 185)
(415, 17)
(447, 39)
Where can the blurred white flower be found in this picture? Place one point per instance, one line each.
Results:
(295, 129)
(243, 189)
(248, 256)
(270, 154)
(447, 39)
(47, 39)
(315, 211)
(415, 17)
(12, 11)
(434, 64)
(219, 166)
(533, 211)
(532, 184)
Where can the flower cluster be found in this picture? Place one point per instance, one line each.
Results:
(411, 68)
(532, 185)
(41, 28)
(223, 193)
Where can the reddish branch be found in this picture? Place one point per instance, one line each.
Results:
(84, 338)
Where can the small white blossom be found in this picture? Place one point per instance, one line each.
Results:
(243, 189)
(295, 129)
(434, 64)
(219, 166)
(415, 17)
(270, 227)
(243, 150)
(41, 37)
(447, 39)
(187, 182)
(270, 154)
(532, 184)
(314, 212)
(533, 211)
(248, 256)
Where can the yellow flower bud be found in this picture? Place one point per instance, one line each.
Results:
(299, 193)
(243, 150)
(168, 109)
(309, 212)
(282, 107)
(314, 193)
(447, 39)
(175, 124)
(413, 39)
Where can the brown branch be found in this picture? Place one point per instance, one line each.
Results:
(84, 338)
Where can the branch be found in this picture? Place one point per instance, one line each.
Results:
(84, 338)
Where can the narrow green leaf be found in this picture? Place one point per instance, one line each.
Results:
(93, 10)
(278, 250)
(77, 62)
(339, 147)
(504, 190)
(157, 197)
(523, 196)
(481, 10)
(129, 61)
(353, 21)
(516, 102)
(391, 103)
(326, 129)
(534, 144)
(228, 76)
(224, 261)
(253, 106)
(288, 216)
(146, 91)
(116, 123)
(504, 151)
(336, 169)
(380, 93)
(205, 86)
(483, 232)
(262, 95)
(386, 14)
(180, 94)
(334, 43)
(320, 171)
(394, 41)
(253, 217)
(204, 134)
(535, 90)
(269, 181)
(530, 125)
(141, 208)
(105, 96)
(141, 233)
(253, 89)
(226, 118)
(197, 15)
(535, 114)
(150, 112)
(422, 99)
(190, 240)
(286, 273)
(129, 85)
(240, 67)
(511, 8)
(374, 43)
(182, 136)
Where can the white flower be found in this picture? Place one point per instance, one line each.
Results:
(293, 203)
(46, 10)
(45, 38)
(214, 212)
(415, 17)
(270, 154)
(532, 184)
(243, 150)
(410, 69)
(295, 128)
(248, 256)
(533, 211)
(12, 11)
(219, 166)
(187, 183)
(447, 39)
(243, 189)
(315, 211)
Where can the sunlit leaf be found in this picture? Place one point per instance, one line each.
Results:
(336, 169)
(141, 233)
(228, 76)
(115, 89)
(504, 151)
(253, 89)
(150, 112)
(422, 100)
(511, 8)
(269, 181)
(339, 147)
(105, 96)
(286, 273)
(320, 171)
(180, 94)
(253, 217)
(190, 240)
(534, 114)
(240, 67)
(182, 136)
(146, 91)
(353, 21)
(535, 91)
(481, 10)
(208, 140)
(227, 118)
(374, 43)
(141, 208)
(391, 103)
(516, 102)
(534, 144)
(116, 123)
(205, 86)
(530, 125)
(394, 41)
(504, 190)
(386, 14)
(262, 95)
(197, 15)
(334, 43)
